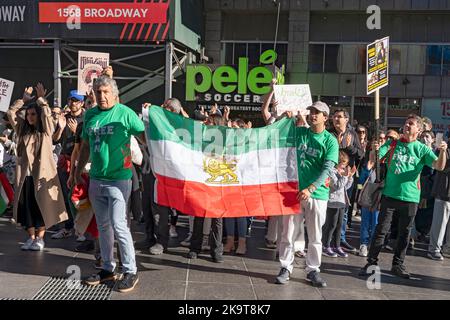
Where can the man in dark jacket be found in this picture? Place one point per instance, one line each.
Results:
(441, 214)
(348, 142)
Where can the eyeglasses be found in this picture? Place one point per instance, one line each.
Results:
(361, 131)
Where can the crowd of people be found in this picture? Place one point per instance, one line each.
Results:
(86, 169)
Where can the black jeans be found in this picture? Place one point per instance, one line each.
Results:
(405, 211)
(63, 176)
(331, 230)
(216, 234)
(148, 206)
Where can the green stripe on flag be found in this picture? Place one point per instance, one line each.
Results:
(165, 125)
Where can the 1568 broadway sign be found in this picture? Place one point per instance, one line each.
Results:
(225, 84)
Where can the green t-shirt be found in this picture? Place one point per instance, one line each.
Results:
(313, 149)
(109, 132)
(403, 175)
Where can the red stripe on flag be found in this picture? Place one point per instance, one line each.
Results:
(7, 187)
(198, 199)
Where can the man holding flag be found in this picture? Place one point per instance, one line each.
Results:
(317, 154)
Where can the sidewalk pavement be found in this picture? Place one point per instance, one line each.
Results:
(172, 276)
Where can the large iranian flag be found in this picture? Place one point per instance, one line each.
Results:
(211, 171)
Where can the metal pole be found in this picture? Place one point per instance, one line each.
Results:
(168, 70)
(377, 126)
(276, 28)
(57, 72)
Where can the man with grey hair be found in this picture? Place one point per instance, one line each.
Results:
(107, 130)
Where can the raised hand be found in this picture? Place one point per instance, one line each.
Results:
(62, 122)
(27, 94)
(40, 90)
(72, 124)
(108, 71)
(146, 105)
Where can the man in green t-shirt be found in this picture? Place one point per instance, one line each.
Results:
(107, 129)
(401, 194)
(317, 154)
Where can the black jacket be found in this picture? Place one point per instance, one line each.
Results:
(354, 149)
(441, 185)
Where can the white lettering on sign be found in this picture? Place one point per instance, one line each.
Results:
(115, 13)
(12, 13)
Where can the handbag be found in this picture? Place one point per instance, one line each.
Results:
(370, 195)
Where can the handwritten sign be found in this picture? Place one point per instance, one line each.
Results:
(90, 67)
(292, 97)
(6, 90)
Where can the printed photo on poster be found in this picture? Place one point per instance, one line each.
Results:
(377, 65)
(90, 67)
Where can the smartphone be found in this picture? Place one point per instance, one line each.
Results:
(439, 138)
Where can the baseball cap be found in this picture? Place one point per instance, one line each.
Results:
(74, 95)
(320, 106)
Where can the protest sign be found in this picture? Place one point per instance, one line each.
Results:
(292, 97)
(90, 67)
(6, 90)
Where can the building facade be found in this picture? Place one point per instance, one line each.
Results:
(323, 43)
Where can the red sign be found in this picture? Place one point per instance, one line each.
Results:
(102, 12)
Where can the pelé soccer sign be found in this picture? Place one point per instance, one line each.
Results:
(226, 84)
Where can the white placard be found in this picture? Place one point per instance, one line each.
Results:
(292, 97)
(90, 67)
(439, 139)
(6, 90)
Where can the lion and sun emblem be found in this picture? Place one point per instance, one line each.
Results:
(220, 168)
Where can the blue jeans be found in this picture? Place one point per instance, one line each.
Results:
(369, 221)
(344, 226)
(241, 226)
(109, 200)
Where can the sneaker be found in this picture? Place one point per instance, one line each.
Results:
(157, 249)
(400, 270)
(271, 244)
(173, 232)
(27, 245)
(411, 244)
(283, 276)
(300, 254)
(128, 282)
(347, 247)
(316, 280)
(340, 253)
(205, 243)
(86, 246)
(328, 252)
(363, 252)
(81, 238)
(217, 258)
(435, 256)
(446, 252)
(192, 255)
(186, 242)
(62, 233)
(101, 277)
(364, 272)
(38, 244)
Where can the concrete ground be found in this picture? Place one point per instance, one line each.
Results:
(172, 276)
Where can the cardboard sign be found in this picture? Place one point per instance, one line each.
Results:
(6, 90)
(292, 97)
(90, 67)
(377, 65)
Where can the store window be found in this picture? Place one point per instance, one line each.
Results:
(434, 60)
(315, 61)
(400, 109)
(233, 50)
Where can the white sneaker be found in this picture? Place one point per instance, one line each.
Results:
(27, 245)
(38, 244)
(62, 233)
(81, 238)
(363, 250)
(173, 232)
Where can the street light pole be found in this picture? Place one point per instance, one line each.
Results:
(275, 2)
